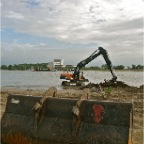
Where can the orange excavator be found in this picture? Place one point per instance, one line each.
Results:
(77, 77)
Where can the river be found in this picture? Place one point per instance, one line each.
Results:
(32, 80)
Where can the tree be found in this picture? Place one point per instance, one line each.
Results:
(139, 67)
(104, 66)
(133, 66)
(119, 67)
(4, 67)
(10, 67)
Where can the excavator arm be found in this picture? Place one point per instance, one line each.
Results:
(99, 51)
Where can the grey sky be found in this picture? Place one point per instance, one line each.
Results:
(41, 30)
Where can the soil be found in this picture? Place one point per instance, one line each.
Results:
(118, 92)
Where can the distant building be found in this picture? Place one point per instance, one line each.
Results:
(70, 66)
(58, 62)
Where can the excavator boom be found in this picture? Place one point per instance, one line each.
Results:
(100, 51)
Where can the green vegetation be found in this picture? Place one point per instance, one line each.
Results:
(44, 66)
(38, 66)
(118, 67)
(108, 90)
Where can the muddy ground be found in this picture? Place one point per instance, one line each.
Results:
(119, 92)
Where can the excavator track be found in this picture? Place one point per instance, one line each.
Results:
(74, 83)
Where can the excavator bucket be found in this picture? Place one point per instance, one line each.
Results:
(52, 120)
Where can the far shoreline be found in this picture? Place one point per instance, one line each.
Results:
(132, 70)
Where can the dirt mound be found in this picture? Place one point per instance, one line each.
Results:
(117, 84)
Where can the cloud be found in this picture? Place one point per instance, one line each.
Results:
(115, 25)
(14, 15)
(61, 19)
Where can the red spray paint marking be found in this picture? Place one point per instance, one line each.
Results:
(98, 112)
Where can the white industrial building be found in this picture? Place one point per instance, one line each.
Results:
(57, 63)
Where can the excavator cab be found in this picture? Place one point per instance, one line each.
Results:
(67, 76)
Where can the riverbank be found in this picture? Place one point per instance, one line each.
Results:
(119, 93)
(83, 69)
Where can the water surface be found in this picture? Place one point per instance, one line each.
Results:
(45, 79)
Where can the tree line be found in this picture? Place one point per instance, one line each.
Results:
(38, 66)
(44, 66)
(121, 67)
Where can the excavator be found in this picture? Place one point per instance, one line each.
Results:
(77, 77)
